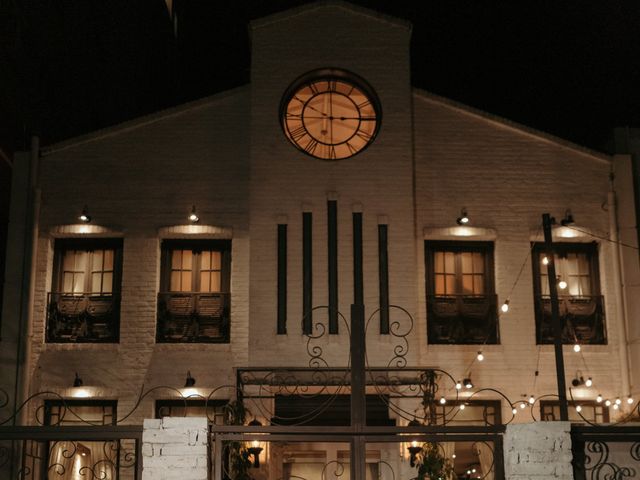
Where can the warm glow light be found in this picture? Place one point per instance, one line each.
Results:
(458, 385)
(576, 348)
(81, 393)
(414, 444)
(255, 444)
(532, 400)
(566, 232)
(589, 382)
(607, 403)
(599, 398)
(578, 408)
(505, 306)
(618, 401)
(616, 407)
(523, 405)
(562, 284)
(453, 456)
(462, 406)
(193, 217)
(630, 400)
(545, 261)
(514, 410)
(190, 392)
(480, 356)
(443, 400)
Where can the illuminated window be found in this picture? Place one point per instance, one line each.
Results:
(194, 301)
(461, 302)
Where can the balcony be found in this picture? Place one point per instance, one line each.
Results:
(82, 318)
(193, 317)
(582, 319)
(462, 319)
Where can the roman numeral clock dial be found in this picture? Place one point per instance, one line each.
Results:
(330, 114)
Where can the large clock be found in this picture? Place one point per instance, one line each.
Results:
(330, 114)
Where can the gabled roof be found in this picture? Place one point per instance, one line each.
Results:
(522, 129)
(144, 120)
(339, 4)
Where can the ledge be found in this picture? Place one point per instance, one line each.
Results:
(451, 233)
(191, 231)
(83, 229)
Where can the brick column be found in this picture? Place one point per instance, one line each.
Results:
(175, 448)
(539, 450)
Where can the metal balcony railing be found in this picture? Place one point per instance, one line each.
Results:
(462, 319)
(82, 317)
(582, 319)
(193, 317)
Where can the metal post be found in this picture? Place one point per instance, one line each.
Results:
(358, 391)
(555, 317)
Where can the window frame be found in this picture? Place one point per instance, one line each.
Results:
(49, 404)
(572, 404)
(196, 246)
(187, 403)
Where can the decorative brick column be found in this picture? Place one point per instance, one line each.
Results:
(175, 448)
(540, 450)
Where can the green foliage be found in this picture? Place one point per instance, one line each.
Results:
(432, 465)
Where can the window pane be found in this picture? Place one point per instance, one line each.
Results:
(438, 262)
(585, 285)
(176, 259)
(95, 282)
(107, 282)
(81, 261)
(449, 262)
(108, 259)
(478, 262)
(78, 283)
(205, 260)
(215, 282)
(439, 287)
(186, 282)
(187, 259)
(467, 284)
(450, 285)
(69, 260)
(216, 260)
(67, 283)
(465, 258)
(204, 282)
(96, 260)
(478, 284)
(175, 282)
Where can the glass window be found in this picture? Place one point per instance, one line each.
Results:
(588, 412)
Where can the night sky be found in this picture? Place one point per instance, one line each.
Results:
(570, 68)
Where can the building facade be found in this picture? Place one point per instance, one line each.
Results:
(328, 181)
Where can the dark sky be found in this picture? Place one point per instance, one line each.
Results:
(567, 67)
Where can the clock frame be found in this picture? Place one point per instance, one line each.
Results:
(330, 114)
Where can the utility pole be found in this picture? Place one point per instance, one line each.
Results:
(547, 222)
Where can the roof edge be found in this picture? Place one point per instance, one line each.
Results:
(504, 122)
(294, 12)
(139, 122)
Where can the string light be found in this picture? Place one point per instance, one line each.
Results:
(462, 406)
(505, 306)
(514, 410)
(545, 261)
(618, 401)
(630, 400)
(576, 348)
(443, 400)
(458, 385)
(578, 408)
(616, 406)
(532, 400)
(607, 402)
(599, 398)
(480, 356)
(562, 284)
(523, 405)
(589, 382)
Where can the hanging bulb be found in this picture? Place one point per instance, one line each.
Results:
(618, 401)
(523, 405)
(599, 398)
(443, 400)
(545, 261)
(630, 400)
(193, 216)
(576, 348)
(514, 410)
(463, 219)
(607, 402)
(462, 406)
(480, 356)
(458, 385)
(562, 284)
(589, 382)
(616, 406)
(578, 408)
(453, 455)
(505, 306)
(532, 400)
(84, 215)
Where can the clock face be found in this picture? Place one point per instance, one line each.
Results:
(330, 114)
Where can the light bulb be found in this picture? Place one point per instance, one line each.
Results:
(618, 401)
(545, 261)
(193, 216)
(599, 398)
(589, 382)
(576, 348)
(453, 456)
(523, 405)
(473, 470)
(414, 444)
(443, 400)
(607, 403)
(514, 410)
(532, 400)
(505, 306)
(616, 407)
(578, 408)
(562, 284)
(255, 444)
(480, 356)
(630, 400)
(462, 406)
(458, 385)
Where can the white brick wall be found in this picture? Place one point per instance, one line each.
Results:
(175, 449)
(538, 451)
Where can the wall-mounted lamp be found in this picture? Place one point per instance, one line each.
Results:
(255, 449)
(190, 381)
(414, 450)
(77, 382)
(467, 383)
(568, 219)
(84, 215)
(463, 219)
(193, 216)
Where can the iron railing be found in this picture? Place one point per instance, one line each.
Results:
(193, 317)
(54, 452)
(82, 317)
(462, 319)
(582, 319)
(605, 452)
